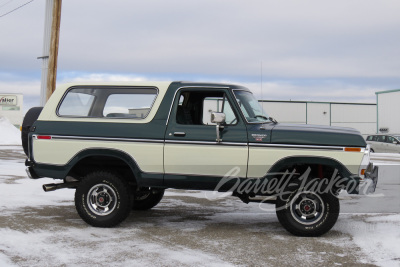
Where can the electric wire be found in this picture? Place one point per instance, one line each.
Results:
(15, 9)
(6, 3)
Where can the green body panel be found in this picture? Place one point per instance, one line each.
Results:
(153, 130)
(301, 134)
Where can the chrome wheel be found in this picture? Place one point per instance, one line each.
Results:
(101, 199)
(307, 208)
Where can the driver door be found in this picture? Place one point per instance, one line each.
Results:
(192, 156)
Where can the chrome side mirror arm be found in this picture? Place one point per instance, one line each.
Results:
(218, 118)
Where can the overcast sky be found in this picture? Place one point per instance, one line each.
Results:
(341, 51)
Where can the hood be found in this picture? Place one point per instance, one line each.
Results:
(305, 134)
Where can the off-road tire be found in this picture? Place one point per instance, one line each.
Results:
(145, 200)
(308, 213)
(103, 199)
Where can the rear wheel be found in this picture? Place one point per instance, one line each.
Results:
(103, 199)
(148, 198)
(308, 213)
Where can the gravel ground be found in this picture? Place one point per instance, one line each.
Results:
(185, 229)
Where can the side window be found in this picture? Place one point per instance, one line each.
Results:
(128, 105)
(115, 102)
(375, 138)
(390, 139)
(76, 104)
(369, 138)
(381, 138)
(195, 107)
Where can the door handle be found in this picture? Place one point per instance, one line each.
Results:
(181, 134)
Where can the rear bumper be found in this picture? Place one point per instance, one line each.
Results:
(30, 171)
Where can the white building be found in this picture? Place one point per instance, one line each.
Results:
(388, 111)
(11, 107)
(361, 116)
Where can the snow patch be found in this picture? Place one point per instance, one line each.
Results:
(377, 236)
(9, 134)
(4, 261)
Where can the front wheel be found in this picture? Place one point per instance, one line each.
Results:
(103, 199)
(308, 213)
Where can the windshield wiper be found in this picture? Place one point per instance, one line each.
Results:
(267, 118)
(273, 120)
(261, 116)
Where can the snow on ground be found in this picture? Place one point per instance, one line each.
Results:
(9, 134)
(187, 229)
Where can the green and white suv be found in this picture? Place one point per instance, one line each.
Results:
(122, 145)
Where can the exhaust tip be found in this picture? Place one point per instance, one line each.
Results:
(49, 187)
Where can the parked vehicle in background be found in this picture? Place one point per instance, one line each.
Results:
(384, 143)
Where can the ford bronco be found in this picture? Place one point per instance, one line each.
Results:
(121, 145)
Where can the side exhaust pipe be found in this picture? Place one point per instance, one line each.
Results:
(53, 187)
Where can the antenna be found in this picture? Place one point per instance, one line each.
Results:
(261, 80)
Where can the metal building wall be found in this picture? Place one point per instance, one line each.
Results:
(388, 103)
(359, 116)
(289, 112)
(355, 115)
(318, 113)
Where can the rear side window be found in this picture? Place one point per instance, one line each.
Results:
(76, 103)
(131, 103)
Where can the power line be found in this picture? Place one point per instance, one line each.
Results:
(1, 5)
(5, 14)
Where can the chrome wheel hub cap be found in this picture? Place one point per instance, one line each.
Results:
(101, 199)
(307, 208)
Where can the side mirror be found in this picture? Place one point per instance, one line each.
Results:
(218, 118)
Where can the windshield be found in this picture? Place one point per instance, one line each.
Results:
(250, 107)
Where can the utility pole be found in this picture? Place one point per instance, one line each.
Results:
(50, 49)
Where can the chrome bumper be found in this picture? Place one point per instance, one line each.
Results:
(31, 173)
(370, 180)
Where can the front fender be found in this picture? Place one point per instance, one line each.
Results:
(350, 181)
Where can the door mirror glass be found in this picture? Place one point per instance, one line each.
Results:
(218, 117)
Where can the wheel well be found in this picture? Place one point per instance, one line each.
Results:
(93, 163)
(316, 170)
(319, 166)
(324, 169)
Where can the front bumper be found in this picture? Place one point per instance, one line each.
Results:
(370, 181)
